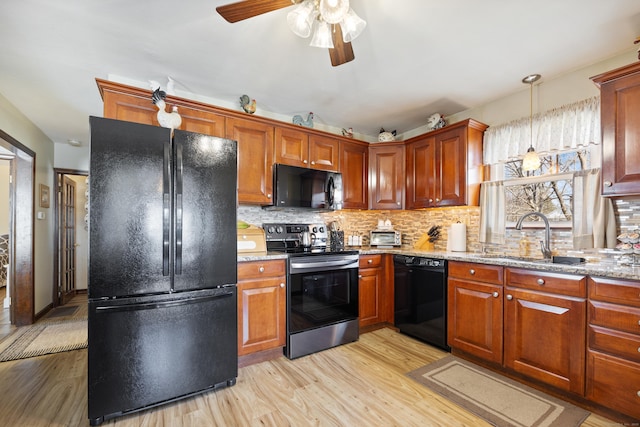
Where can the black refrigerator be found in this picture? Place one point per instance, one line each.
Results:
(162, 266)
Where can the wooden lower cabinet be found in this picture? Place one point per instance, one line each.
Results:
(613, 357)
(533, 325)
(544, 324)
(261, 306)
(375, 294)
(474, 317)
(544, 338)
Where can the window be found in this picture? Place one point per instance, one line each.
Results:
(548, 189)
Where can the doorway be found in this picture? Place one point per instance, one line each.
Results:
(20, 283)
(71, 232)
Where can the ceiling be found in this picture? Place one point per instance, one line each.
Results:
(414, 58)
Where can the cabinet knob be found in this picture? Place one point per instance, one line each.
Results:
(312, 162)
(398, 203)
(638, 349)
(269, 196)
(359, 276)
(437, 200)
(509, 297)
(430, 200)
(472, 272)
(607, 183)
(261, 269)
(638, 393)
(496, 294)
(540, 282)
(282, 285)
(305, 162)
(370, 261)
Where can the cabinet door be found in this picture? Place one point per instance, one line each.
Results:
(138, 109)
(475, 319)
(255, 160)
(421, 174)
(354, 162)
(451, 168)
(201, 121)
(261, 314)
(369, 286)
(129, 108)
(544, 338)
(323, 153)
(620, 108)
(292, 147)
(386, 177)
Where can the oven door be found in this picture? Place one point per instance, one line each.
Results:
(323, 290)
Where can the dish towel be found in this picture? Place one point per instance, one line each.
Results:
(594, 221)
(492, 212)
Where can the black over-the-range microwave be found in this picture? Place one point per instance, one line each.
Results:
(296, 187)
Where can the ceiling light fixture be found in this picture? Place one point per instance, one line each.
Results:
(324, 14)
(531, 160)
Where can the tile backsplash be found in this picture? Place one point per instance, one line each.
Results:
(413, 223)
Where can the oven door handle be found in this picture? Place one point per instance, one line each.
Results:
(325, 264)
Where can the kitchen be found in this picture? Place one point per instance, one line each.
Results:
(362, 221)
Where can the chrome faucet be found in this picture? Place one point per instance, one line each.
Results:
(544, 245)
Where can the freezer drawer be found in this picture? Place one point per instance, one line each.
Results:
(150, 350)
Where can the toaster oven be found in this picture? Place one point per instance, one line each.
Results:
(385, 238)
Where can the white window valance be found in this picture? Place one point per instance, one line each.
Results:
(568, 127)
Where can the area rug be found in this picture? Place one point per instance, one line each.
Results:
(495, 398)
(64, 311)
(44, 338)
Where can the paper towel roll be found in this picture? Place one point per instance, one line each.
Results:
(458, 237)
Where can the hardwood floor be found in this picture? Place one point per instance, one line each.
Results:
(358, 384)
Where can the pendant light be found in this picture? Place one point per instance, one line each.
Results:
(531, 160)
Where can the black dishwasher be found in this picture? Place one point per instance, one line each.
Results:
(421, 298)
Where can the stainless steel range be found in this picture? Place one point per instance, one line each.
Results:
(322, 291)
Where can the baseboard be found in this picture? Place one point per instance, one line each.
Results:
(260, 356)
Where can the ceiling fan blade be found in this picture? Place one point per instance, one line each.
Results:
(241, 10)
(342, 52)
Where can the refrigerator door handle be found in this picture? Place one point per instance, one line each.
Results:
(179, 212)
(161, 304)
(166, 210)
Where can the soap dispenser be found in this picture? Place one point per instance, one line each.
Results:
(523, 245)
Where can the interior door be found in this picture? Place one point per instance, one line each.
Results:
(67, 227)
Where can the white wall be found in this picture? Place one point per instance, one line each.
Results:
(70, 157)
(18, 126)
(549, 93)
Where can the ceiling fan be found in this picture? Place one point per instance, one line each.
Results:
(335, 22)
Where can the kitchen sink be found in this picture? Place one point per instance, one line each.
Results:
(553, 260)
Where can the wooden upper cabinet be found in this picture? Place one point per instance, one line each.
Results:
(619, 112)
(299, 148)
(354, 165)
(323, 152)
(292, 147)
(421, 173)
(135, 105)
(444, 167)
(386, 176)
(255, 160)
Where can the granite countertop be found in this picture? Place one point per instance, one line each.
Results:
(592, 269)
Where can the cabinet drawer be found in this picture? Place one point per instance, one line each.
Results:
(565, 284)
(615, 290)
(618, 343)
(476, 272)
(256, 269)
(614, 383)
(614, 316)
(370, 261)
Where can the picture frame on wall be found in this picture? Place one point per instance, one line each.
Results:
(44, 196)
